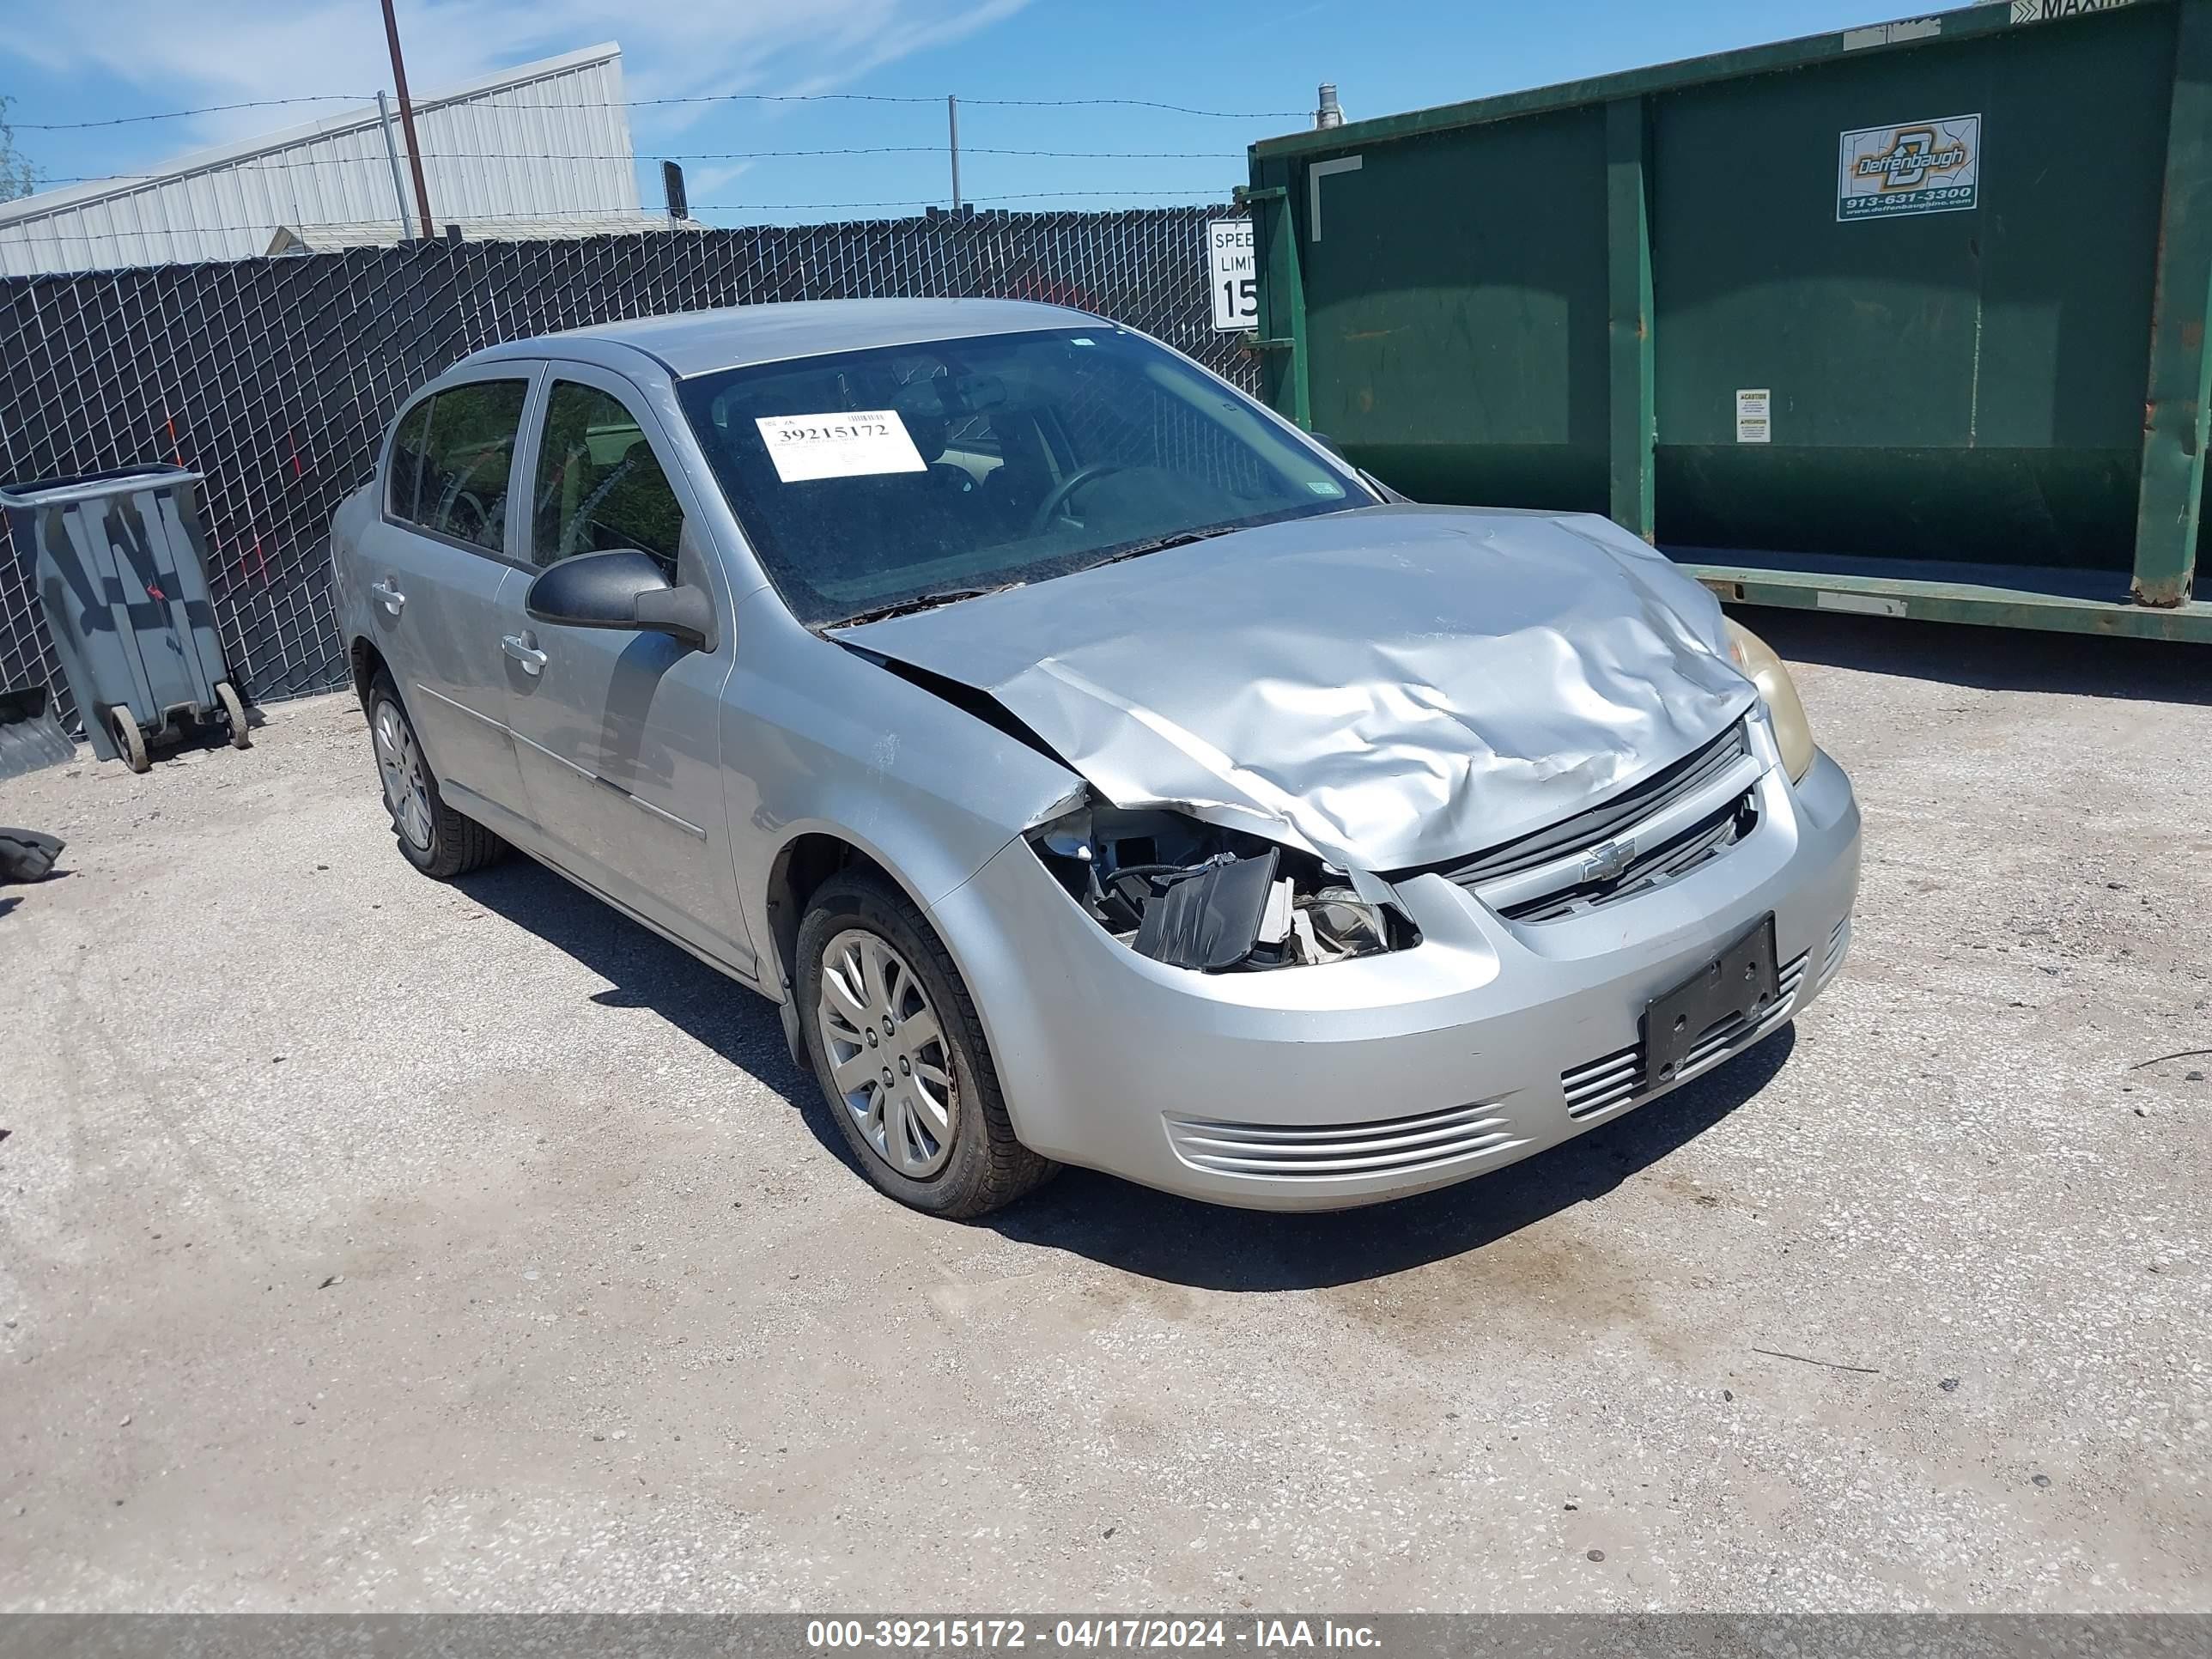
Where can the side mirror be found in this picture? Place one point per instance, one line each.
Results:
(1327, 443)
(621, 588)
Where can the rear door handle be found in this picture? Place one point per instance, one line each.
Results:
(518, 646)
(387, 595)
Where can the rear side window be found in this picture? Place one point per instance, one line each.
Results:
(466, 452)
(406, 469)
(599, 485)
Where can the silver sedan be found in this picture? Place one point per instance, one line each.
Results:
(1093, 767)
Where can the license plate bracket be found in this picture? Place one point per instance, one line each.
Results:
(1740, 984)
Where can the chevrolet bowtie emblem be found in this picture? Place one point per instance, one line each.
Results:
(1604, 863)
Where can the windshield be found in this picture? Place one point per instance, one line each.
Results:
(870, 480)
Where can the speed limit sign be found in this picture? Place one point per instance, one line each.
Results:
(1232, 277)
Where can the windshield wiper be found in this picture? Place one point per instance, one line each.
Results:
(954, 595)
(921, 601)
(1161, 544)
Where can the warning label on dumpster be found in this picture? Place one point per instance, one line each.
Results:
(1753, 415)
(1920, 167)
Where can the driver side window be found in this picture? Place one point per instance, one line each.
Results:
(599, 486)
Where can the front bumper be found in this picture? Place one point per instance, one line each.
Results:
(1323, 1087)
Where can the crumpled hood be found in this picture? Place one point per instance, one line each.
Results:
(1387, 687)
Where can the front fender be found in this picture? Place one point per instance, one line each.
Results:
(820, 740)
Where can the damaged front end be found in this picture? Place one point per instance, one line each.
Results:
(1194, 894)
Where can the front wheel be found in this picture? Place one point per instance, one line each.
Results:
(901, 1054)
(436, 839)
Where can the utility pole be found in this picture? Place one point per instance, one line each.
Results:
(952, 128)
(392, 154)
(407, 118)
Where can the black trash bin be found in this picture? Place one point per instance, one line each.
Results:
(119, 564)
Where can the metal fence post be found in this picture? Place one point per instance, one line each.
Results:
(392, 154)
(952, 140)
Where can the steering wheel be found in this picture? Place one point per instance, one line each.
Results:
(463, 505)
(1066, 487)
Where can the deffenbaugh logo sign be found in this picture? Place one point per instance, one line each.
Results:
(1916, 166)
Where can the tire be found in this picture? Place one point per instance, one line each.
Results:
(234, 712)
(978, 1166)
(130, 739)
(27, 855)
(432, 836)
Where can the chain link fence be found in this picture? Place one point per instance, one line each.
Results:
(277, 377)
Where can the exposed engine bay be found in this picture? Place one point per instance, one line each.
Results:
(1195, 896)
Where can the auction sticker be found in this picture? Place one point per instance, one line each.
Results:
(858, 445)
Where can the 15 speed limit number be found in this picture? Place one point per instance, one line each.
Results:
(1232, 277)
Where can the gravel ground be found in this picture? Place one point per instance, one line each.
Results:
(371, 1243)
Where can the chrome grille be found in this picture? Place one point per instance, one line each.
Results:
(1667, 826)
(1712, 837)
(1386, 1146)
(1617, 1079)
(1601, 822)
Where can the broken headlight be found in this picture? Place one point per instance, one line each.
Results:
(1793, 734)
(1195, 896)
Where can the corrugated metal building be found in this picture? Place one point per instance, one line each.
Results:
(544, 141)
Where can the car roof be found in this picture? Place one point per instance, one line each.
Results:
(730, 337)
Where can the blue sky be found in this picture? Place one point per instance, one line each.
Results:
(93, 59)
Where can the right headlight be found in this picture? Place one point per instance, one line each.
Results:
(1792, 732)
(1193, 895)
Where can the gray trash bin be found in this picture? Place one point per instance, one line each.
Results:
(118, 567)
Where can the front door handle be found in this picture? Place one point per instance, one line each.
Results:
(387, 595)
(520, 646)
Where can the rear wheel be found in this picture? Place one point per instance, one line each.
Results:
(436, 839)
(901, 1054)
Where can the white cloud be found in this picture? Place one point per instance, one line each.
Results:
(702, 180)
(255, 49)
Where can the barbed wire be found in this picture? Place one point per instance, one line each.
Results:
(310, 163)
(205, 109)
(490, 100)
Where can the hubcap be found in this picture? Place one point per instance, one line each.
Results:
(400, 765)
(888, 1060)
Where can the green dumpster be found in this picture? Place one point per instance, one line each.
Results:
(1907, 319)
